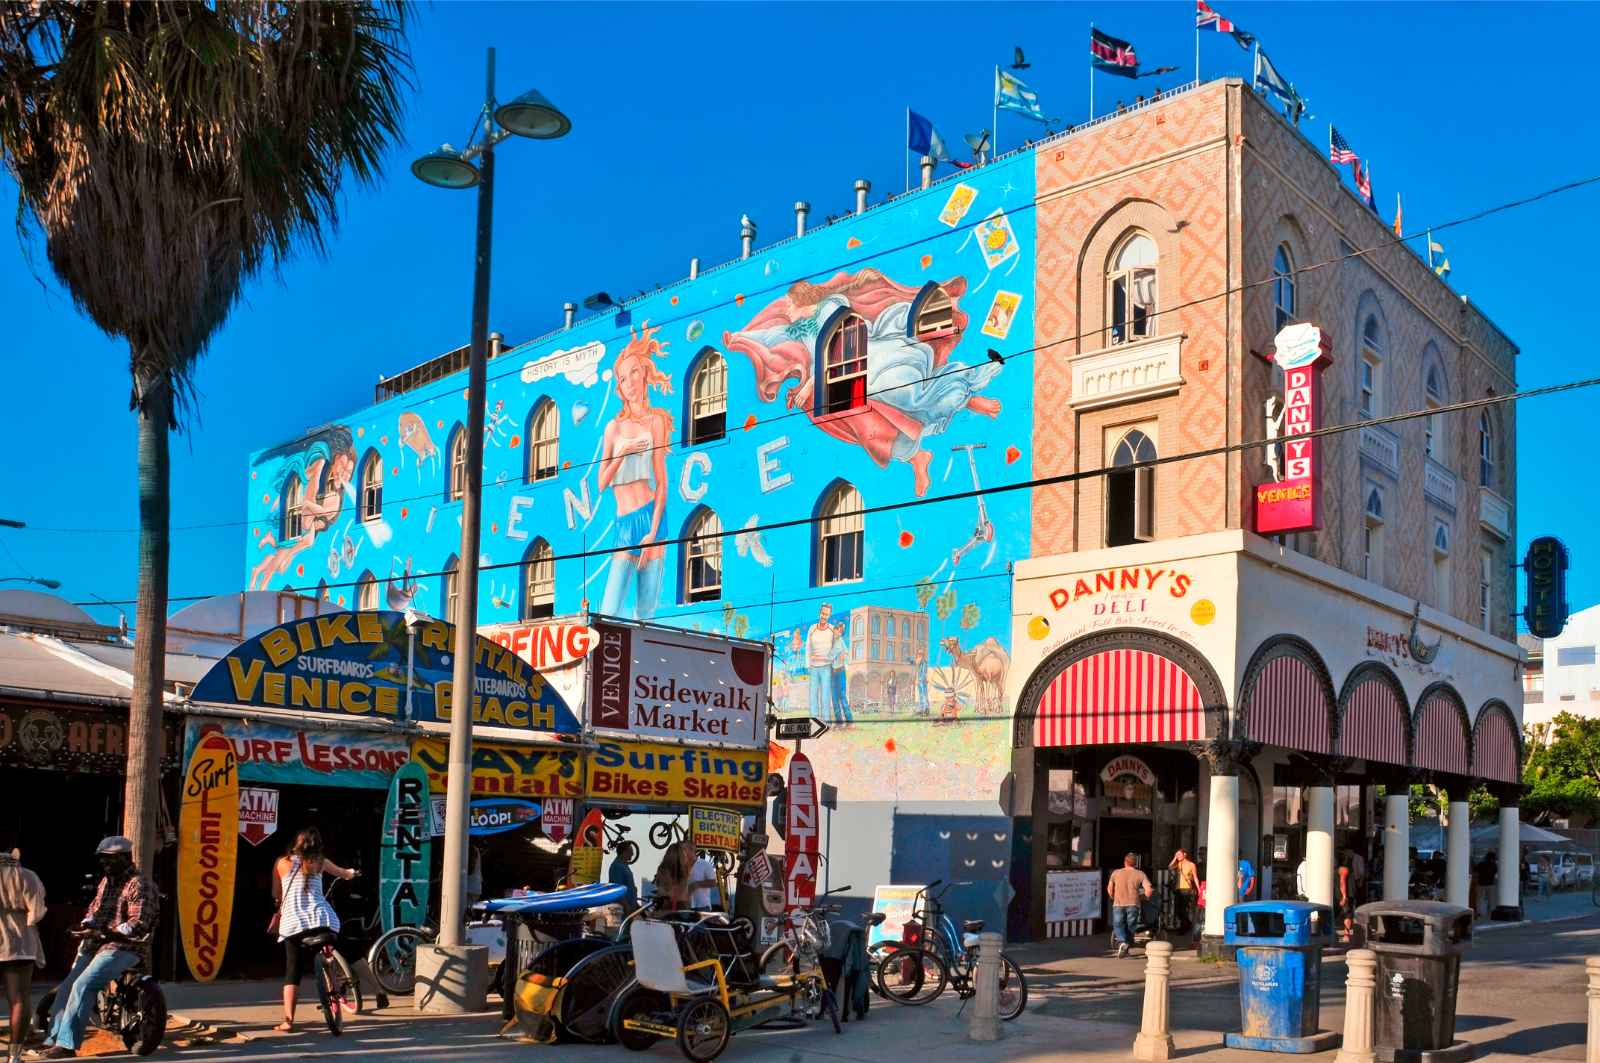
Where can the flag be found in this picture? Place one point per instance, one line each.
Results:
(1441, 269)
(1268, 78)
(1112, 55)
(1010, 94)
(1205, 17)
(1398, 215)
(1339, 150)
(1364, 184)
(923, 139)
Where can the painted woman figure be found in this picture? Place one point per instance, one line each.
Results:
(633, 463)
(325, 464)
(913, 389)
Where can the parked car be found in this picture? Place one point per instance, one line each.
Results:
(1583, 868)
(1565, 868)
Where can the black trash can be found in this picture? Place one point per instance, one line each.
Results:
(1418, 946)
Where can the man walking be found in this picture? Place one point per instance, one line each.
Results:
(1184, 889)
(1125, 887)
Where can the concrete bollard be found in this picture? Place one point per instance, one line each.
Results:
(1592, 1052)
(1155, 1040)
(985, 1024)
(1359, 999)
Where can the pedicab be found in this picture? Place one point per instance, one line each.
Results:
(697, 981)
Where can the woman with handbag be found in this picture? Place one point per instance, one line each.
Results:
(21, 910)
(303, 908)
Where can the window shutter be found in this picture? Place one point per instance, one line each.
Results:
(1144, 504)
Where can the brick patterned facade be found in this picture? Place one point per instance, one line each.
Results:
(1219, 181)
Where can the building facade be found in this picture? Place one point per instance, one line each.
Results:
(1561, 674)
(909, 449)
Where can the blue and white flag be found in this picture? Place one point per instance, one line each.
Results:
(1010, 94)
(923, 139)
(1268, 79)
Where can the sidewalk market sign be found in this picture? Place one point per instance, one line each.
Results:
(372, 665)
(283, 756)
(657, 682)
(208, 852)
(403, 861)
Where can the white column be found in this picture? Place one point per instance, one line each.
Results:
(1319, 845)
(1458, 856)
(1397, 845)
(1509, 882)
(1222, 851)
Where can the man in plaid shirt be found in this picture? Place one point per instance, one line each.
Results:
(125, 903)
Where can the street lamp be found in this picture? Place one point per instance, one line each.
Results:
(49, 584)
(529, 115)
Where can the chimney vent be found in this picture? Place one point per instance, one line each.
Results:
(694, 268)
(927, 171)
(747, 235)
(570, 313)
(801, 209)
(863, 186)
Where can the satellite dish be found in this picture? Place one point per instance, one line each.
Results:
(978, 141)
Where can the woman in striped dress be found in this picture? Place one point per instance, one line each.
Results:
(303, 909)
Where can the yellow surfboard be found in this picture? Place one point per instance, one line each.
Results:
(208, 852)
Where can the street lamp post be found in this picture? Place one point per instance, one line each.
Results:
(454, 977)
(48, 584)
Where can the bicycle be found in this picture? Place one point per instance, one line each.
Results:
(393, 956)
(664, 833)
(798, 950)
(943, 956)
(131, 1005)
(620, 845)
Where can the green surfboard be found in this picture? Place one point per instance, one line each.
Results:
(403, 866)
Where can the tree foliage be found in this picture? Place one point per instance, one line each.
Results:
(1562, 769)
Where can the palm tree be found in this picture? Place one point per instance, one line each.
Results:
(167, 152)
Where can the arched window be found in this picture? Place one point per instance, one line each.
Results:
(544, 440)
(538, 581)
(1372, 536)
(844, 365)
(1371, 369)
(450, 596)
(840, 536)
(372, 487)
(1131, 289)
(702, 558)
(1442, 598)
(936, 316)
(708, 399)
(1433, 424)
(458, 466)
(367, 593)
(1283, 294)
(1485, 451)
(292, 512)
(1130, 492)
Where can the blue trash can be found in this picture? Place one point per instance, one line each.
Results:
(1279, 951)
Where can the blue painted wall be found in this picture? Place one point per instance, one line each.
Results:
(949, 617)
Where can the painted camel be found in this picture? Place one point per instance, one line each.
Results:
(988, 662)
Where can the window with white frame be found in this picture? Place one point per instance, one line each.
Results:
(458, 466)
(1283, 293)
(293, 509)
(372, 488)
(702, 558)
(708, 399)
(452, 590)
(367, 593)
(539, 581)
(1441, 566)
(840, 538)
(1433, 424)
(844, 366)
(1485, 451)
(1485, 588)
(1131, 289)
(936, 316)
(544, 440)
(1372, 536)
(1130, 492)
(1370, 384)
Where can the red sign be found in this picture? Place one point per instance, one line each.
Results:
(611, 678)
(1292, 502)
(556, 819)
(545, 646)
(258, 813)
(800, 836)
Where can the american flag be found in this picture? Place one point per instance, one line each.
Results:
(1339, 150)
(1364, 182)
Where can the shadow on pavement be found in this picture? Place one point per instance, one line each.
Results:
(1538, 1040)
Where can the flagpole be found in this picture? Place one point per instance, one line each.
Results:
(994, 125)
(907, 151)
(1429, 240)
(1091, 73)
(1197, 51)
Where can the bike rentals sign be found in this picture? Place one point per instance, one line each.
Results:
(208, 851)
(372, 665)
(714, 828)
(403, 863)
(800, 836)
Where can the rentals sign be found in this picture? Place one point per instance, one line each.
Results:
(800, 836)
(1291, 502)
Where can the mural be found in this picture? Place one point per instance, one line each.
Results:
(929, 297)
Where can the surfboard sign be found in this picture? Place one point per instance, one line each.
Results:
(208, 853)
(496, 815)
(406, 844)
(587, 846)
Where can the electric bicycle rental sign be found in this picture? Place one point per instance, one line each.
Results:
(1291, 501)
(800, 836)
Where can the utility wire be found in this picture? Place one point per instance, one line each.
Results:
(978, 492)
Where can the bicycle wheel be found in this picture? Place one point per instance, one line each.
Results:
(592, 987)
(327, 976)
(636, 1002)
(703, 1030)
(148, 1025)
(778, 959)
(627, 851)
(912, 976)
(393, 959)
(661, 834)
(830, 1008)
(1013, 988)
(350, 986)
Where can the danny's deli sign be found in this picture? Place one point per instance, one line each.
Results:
(1291, 500)
(663, 683)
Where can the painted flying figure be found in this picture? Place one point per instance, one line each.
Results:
(324, 463)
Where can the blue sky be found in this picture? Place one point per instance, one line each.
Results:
(687, 116)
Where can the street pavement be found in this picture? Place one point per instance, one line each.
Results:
(1522, 997)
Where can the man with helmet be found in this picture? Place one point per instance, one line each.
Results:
(125, 903)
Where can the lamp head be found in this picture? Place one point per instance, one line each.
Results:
(597, 301)
(531, 115)
(445, 168)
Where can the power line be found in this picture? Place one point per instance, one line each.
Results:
(978, 492)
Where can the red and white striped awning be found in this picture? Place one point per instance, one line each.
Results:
(1119, 696)
(1374, 725)
(1288, 706)
(1494, 746)
(1441, 735)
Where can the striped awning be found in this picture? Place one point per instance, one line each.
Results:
(1494, 746)
(1440, 741)
(1288, 706)
(1374, 725)
(1118, 696)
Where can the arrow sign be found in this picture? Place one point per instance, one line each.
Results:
(801, 728)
